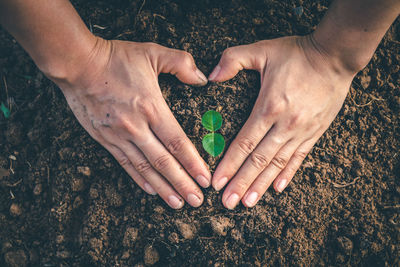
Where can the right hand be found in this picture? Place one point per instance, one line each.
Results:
(120, 104)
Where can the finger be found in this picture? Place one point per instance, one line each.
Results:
(294, 164)
(179, 63)
(124, 161)
(265, 179)
(161, 186)
(237, 58)
(144, 168)
(168, 166)
(273, 153)
(168, 130)
(245, 142)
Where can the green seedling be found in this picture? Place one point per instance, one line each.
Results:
(5, 110)
(213, 142)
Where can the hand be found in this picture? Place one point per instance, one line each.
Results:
(302, 90)
(117, 99)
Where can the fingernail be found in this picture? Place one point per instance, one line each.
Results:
(193, 200)
(220, 183)
(149, 189)
(232, 201)
(202, 77)
(175, 202)
(203, 181)
(281, 185)
(214, 73)
(251, 199)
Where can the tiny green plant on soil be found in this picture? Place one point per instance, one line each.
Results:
(213, 142)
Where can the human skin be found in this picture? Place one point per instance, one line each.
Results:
(304, 82)
(112, 88)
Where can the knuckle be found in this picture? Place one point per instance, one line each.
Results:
(162, 162)
(229, 53)
(176, 145)
(143, 166)
(278, 140)
(296, 121)
(277, 108)
(187, 58)
(150, 47)
(242, 185)
(125, 123)
(124, 161)
(273, 109)
(146, 107)
(191, 166)
(279, 162)
(246, 145)
(180, 185)
(300, 155)
(260, 161)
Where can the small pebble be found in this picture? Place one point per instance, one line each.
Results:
(37, 190)
(15, 209)
(125, 255)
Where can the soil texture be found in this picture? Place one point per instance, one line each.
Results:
(64, 201)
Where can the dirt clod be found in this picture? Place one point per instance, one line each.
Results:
(151, 255)
(84, 170)
(130, 237)
(77, 184)
(37, 190)
(114, 198)
(16, 258)
(63, 254)
(221, 225)
(341, 207)
(187, 230)
(15, 209)
(365, 81)
(125, 255)
(3, 173)
(345, 244)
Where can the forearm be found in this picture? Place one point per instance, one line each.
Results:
(352, 29)
(51, 32)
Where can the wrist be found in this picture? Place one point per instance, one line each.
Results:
(351, 31)
(328, 65)
(79, 65)
(343, 55)
(61, 64)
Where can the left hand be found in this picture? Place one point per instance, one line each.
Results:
(302, 90)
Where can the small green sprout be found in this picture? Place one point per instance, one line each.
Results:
(213, 143)
(5, 110)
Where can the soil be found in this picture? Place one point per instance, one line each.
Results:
(65, 201)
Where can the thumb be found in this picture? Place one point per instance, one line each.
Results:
(234, 59)
(181, 64)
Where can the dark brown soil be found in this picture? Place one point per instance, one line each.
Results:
(65, 201)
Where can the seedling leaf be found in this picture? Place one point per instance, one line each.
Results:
(212, 120)
(214, 143)
(5, 110)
